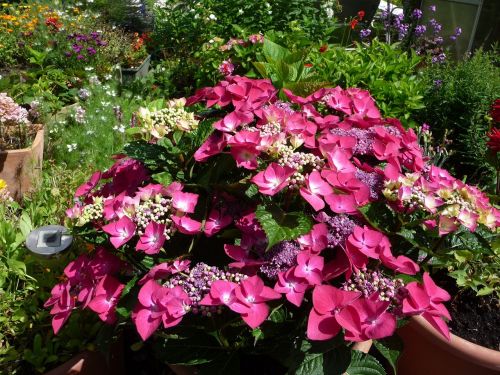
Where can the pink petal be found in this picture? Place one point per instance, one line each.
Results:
(321, 327)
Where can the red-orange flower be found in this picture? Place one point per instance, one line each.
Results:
(323, 48)
(308, 65)
(494, 140)
(354, 22)
(361, 15)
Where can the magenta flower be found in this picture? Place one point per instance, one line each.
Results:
(85, 188)
(365, 240)
(226, 68)
(214, 145)
(160, 271)
(147, 315)
(186, 225)
(233, 120)
(221, 293)
(427, 300)
(251, 296)
(315, 189)
(292, 286)
(328, 302)
(244, 148)
(184, 202)
(367, 318)
(316, 240)
(106, 297)
(309, 267)
(273, 179)
(62, 305)
(121, 231)
(216, 221)
(153, 238)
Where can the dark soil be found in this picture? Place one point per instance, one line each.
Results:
(476, 319)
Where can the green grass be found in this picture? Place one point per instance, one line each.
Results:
(90, 144)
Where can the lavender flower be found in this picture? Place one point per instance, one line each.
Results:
(437, 59)
(420, 30)
(416, 14)
(196, 283)
(438, 82)
(83, 94)
(365, 33)
(80, 115)
(339, 228)
(370, 282)
(280, 258)
(436, 26)
(432, 8)
(374, 182)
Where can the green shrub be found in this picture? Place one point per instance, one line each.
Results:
(182, 26)
(389, 74)
(458, 98)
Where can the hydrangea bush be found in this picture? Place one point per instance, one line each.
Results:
(259, 222)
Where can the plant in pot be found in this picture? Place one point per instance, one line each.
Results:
(21, 147)
(261, 235)
(468, 266)
(136, 59)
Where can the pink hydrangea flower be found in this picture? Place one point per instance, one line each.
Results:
(273, 179)
(121, 231)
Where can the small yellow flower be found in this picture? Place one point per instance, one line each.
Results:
(3, 184)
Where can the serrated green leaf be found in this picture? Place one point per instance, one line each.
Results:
(391, 349)
(332, 362)
(364, 364)
(281, 226)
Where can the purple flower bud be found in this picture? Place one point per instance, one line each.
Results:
(365, 33)
(417, 14)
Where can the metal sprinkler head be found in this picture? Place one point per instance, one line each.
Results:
(49, 240)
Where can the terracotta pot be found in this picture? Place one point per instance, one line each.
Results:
(95, 363)
(20, 168)
(427, 352)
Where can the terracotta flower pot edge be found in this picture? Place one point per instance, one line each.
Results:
(457, 356)
(20, 167)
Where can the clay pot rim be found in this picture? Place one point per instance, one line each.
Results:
(473, 352)
(38, 139)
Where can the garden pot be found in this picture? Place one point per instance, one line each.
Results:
(20, 168)
(94, 363)
(129, 74)
(427, 352)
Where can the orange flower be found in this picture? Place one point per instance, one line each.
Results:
(353, 23)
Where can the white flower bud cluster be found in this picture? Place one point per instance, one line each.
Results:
(157, 209)
(92, 212)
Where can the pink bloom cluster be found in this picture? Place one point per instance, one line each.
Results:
(10, 112)
(448, 199)
(330, 154)
(124, 210)
(89, 281)
(252, 39)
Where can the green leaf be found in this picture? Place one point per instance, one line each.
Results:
(380, 216)
(364, 364)
(332, 362)
(391, 349)
(281, 226)
(274, 52)
(484, 291)
(164, 178)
